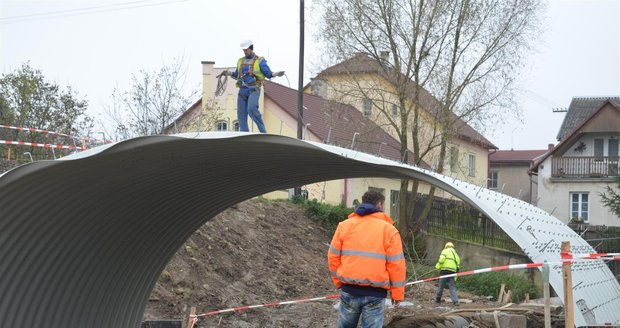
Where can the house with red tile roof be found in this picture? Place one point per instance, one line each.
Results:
(572, 175)
(372, 87)
(327, 121)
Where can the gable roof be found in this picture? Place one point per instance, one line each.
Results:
(515, 157)
(580, 109)
(337, 123)
(566, 141)
(363, 64)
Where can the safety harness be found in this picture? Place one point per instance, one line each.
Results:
(258, 77)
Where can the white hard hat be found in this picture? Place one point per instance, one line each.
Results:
(246, 44)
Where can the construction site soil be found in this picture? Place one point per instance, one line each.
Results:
(260, 252)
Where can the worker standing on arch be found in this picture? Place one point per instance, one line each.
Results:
(250, 73)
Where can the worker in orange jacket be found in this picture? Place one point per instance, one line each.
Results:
(366, 261)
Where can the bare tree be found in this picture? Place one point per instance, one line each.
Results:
(153, 101)
(450, 63)
(205, 120)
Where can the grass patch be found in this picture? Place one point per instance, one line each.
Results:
(489, 283)
(483, 284)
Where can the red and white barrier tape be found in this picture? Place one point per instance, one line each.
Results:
(591, 256)
(35, 144)
(491, 269)
(192, 322)
(247, 307)
(34, 130)
(47, 132)
(596, 256)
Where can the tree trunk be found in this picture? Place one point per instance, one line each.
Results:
(403, 221)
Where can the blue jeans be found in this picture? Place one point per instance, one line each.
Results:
(371, 309)
(247, 104)
(451, 286)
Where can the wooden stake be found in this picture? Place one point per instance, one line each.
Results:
(547, 295)
(500, 297)
(508, 296)
(567, 284)
(190, 320)
(527, 297)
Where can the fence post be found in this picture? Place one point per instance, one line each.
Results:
(567, 283)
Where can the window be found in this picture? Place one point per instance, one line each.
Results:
(471, 165)
(598, 149)
(367, 107)
(394, 110)
(454, 159)
(579, 206)
(221, 126)
(493, 174)
(236, 126)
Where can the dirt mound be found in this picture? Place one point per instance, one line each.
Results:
(256, 252)
(261, 252)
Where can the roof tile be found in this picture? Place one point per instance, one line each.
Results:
(336, 123)
(580, 109)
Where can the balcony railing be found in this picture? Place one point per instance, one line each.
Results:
(584, 167)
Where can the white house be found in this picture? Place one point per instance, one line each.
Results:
(576, 171)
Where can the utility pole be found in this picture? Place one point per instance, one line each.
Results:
(300, 85)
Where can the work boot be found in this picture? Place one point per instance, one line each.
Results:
(437, 301)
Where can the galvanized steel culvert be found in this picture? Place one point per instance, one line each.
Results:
(84, 239)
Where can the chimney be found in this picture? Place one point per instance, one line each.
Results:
(207, 80)
(550, 146)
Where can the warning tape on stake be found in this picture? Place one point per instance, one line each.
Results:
(594, 256)
(36, 144)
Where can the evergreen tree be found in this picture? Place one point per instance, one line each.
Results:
(611, 199)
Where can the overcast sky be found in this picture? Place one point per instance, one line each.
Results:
(95, 46)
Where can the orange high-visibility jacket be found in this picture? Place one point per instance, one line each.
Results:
(367, 251)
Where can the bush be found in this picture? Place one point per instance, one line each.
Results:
(327, 215)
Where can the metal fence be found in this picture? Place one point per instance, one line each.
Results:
(457, 220)
(604, 239)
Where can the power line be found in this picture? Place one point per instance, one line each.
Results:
(86, 10)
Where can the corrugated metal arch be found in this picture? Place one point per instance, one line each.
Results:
(84, 239)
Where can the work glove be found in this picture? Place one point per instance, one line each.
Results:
(280, 73)
(225, 73)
